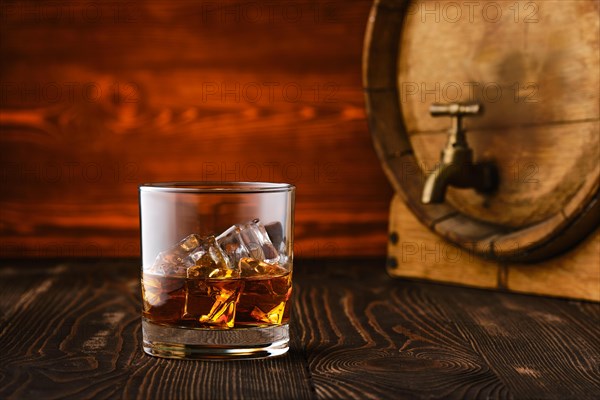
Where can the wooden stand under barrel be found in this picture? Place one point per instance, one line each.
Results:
(535, 68)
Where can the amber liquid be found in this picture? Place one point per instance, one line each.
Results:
(229, 303)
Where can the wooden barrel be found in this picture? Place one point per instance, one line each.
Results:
(535, 67)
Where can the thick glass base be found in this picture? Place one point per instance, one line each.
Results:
(214, 344)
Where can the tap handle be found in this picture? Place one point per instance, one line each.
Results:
(455, 109)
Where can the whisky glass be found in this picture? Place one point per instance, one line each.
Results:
(216, 269)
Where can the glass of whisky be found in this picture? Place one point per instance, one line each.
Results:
(216, 269)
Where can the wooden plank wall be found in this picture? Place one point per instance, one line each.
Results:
(97, 97)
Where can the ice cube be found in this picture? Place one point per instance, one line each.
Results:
(212, 303)
(258, 242)
(197, 299)
(176, 260)
(249, 267)
(154, 296)
(194, 257)
(222, 312)
(248, 240)
(275, 232)
(273, 316)
(210, 262)
(157, 290)
(232, 244)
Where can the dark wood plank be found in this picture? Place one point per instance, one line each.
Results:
(540, 348)
(68, 340)
(72, 330)
(368, 336)
(76, 334)
(162, 112)
(426, 341)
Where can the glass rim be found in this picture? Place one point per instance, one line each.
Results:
(216, 187)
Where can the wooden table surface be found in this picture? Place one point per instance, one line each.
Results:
(72, 330)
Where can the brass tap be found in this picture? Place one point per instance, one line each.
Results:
(456, 167)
